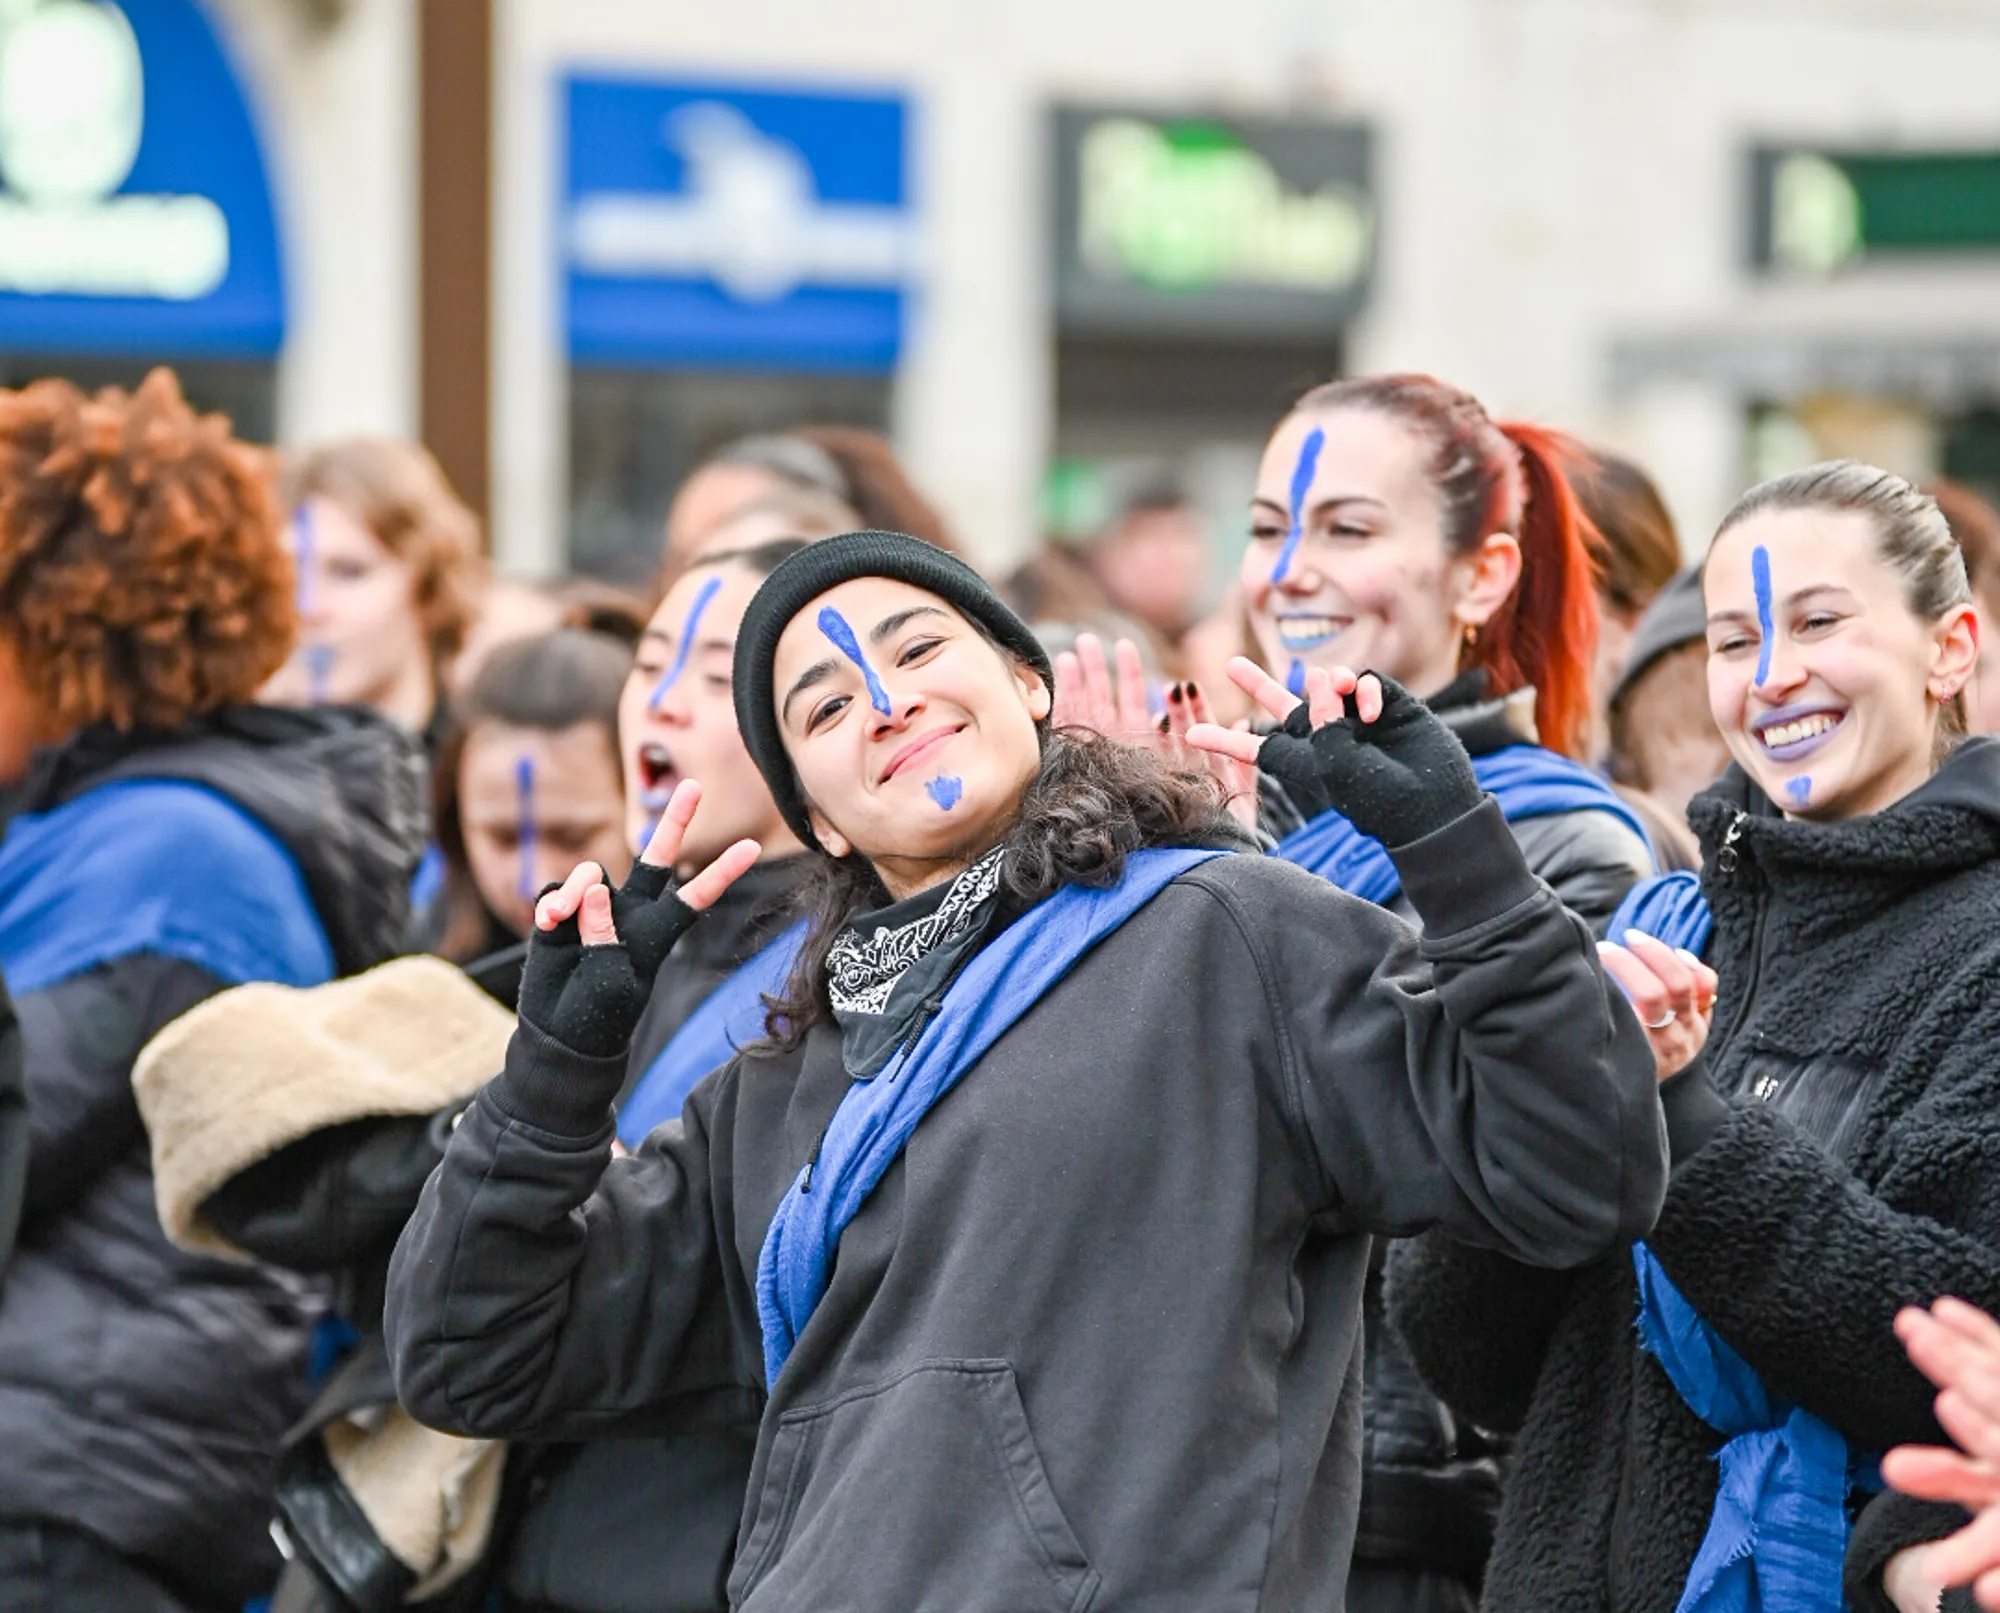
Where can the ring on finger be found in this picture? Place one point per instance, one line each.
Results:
(1663, 1021)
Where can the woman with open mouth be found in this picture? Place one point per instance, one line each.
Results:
(1043, 1217)
(1397, 525)
(1824, 1015)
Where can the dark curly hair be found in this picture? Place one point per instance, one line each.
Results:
(143, 580)
(1094, 802)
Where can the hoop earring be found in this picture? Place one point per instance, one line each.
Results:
(1469, 638)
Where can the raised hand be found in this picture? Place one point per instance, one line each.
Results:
(1187, 708)
(1957, 1347)
(593, 952)
(1670, 989)
(1375, 750)
(1088, 695)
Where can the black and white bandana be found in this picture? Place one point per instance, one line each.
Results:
(863, 969)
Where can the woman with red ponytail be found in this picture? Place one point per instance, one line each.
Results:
(1398, 528)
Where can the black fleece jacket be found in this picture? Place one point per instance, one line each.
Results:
(1836, 1156)
(143, 1389)
(619, 1526)
(1094, 1338)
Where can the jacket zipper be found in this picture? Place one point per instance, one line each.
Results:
(1726, 859)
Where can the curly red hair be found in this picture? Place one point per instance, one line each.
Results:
(143, 580)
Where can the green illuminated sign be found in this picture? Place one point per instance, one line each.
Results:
(1258, 226)
(1189, 206)
(1819, 211)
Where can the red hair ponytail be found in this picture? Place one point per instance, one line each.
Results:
(1544, 634)
(1510, 478)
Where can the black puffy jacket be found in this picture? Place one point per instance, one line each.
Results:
(1430, 1480)
(143, 1389)
(642, 1525)
(1850, 1165)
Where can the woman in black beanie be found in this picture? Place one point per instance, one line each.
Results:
(1097, 1115)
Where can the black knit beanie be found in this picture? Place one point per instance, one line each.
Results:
(803, 578)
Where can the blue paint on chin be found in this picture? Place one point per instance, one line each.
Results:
(1799, 789)
(672, 675)
(319, 669)
(1760, 581)
(1295, 679)
(524, 783)
(945, 789)
(1302, 480)
(835, 627)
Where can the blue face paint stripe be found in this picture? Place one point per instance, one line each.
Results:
(1799, 789)
(1302, 480)
(1295, 679)
(524, 783)
(835, 627)
(1760, 580)
(304, 557)
(671, 676)
(945, 789)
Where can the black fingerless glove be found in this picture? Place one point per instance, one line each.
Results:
(650, 917)
(587, 998)
(1397, 779)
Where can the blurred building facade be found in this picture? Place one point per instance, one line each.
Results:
(1052, 245)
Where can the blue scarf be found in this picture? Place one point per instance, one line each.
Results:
(1003, 981)
(1668, 907)
(1528, 781)
(1779, 1530)
(730, 1015)
(157, 866)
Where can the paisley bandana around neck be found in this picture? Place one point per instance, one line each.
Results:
(862, 971)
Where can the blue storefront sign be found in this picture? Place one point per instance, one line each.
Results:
(135, 214)
(723, 227)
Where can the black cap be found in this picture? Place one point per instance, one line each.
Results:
(803, 578)
(1676, 616)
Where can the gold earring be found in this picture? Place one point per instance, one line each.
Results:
(1470, 637)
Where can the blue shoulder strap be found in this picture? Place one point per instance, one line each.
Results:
(708, 1038)
(161, 866)
(1006, 978)
(1779, 1529)
(1668, 907)
(1527, 780)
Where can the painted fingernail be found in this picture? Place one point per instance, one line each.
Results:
(1632, 935)
(1686, 956)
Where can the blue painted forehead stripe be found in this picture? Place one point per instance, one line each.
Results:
(672, 675)
(835, 627)
(1760, 580)
(1302, 480)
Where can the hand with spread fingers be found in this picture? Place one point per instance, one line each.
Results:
(1105, 695)
(1956, 1346)
(1377, 752)
(1670, 989)
(594, 951)
(1108, 697)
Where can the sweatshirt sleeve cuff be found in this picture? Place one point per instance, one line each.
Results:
(1695, 1110)
(554, 1088)
(1469, 871)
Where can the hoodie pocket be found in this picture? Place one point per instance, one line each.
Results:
(923, 1492)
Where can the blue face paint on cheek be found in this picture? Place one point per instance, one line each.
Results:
(1302, 480)
(1760, 581)
(835, 627)
(1800, 790)
(1295, 679)
(524, 784)
(945, 789)
(672, 675)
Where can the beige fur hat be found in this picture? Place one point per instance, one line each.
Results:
(238, 1077)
